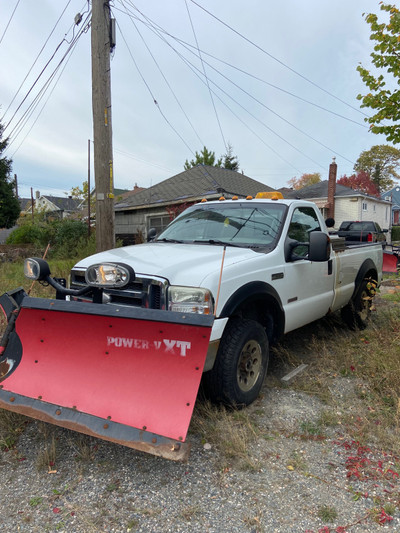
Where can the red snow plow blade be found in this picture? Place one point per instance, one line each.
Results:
(391, 260)
(122, 374)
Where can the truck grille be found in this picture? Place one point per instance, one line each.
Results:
(144, 291)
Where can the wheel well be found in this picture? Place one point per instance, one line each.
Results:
(367, 271)
(264, 310)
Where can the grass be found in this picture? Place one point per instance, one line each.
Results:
(327, 513)
(369, 359)
(11, 427)
(231, 431)
(47, 456)
(190, 512)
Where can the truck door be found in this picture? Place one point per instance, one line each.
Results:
(308, 291)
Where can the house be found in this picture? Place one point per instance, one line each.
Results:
(122, 194)
(344, 203)
(60, 206)
(394, 196)
(156, 206)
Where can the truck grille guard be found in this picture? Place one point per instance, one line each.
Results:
(147, 292)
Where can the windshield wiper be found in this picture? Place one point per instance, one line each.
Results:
(168, 240)
(216, 241)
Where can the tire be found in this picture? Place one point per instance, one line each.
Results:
(241, 365)
(356, 313)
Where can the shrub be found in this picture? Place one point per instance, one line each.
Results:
(68, 234)
(395, 233)
(27, 234)
(67, 238)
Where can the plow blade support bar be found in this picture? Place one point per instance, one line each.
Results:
(126, 375)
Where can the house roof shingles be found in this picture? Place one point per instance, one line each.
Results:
(320, 190)
(194, 183)
(64, 203)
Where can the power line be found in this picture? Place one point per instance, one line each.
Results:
(154, 29)
(159, 30)
(152, 95)
(33, 64)
(43, 106)
(269, 83)
(276, 59)
(151, 24)
(164, 77)
(12, 15)
(191, 66)
(28, 112)
(205, 75)
(275, 113)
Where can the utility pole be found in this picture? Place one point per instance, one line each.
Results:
(102, 130)
(88, 189)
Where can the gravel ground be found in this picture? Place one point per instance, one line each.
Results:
(295, 481)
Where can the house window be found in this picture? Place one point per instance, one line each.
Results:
(364, 206)
(159, 223)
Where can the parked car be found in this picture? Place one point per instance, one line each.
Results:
(362, 231)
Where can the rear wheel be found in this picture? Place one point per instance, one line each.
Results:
(241, 365)
(357, 312)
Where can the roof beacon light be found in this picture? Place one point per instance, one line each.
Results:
(273, 195)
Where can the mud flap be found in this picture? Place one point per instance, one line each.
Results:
(125, 375)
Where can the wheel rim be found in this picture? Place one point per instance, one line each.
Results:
(249, 365)
(365, 306)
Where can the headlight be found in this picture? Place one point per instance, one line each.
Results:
(190, 300)
(36, 268)
(112, 275)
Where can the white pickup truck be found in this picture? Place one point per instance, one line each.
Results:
(280, 271)
(254, 268)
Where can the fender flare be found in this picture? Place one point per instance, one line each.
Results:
(261, 291)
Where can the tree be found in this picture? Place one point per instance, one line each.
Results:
(381, 163)
(230, 161)
(360, 182)
(82, 194)
(205, 157)
(305, 180)
(9, 205)
(384, 93)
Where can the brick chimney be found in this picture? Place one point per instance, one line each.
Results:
(332, 188)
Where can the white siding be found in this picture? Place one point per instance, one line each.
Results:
(377, 211)
(346, 209)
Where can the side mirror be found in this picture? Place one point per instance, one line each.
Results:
(319, 247)
(151, 234)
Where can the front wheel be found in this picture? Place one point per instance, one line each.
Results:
(357, 312)
(241, 364)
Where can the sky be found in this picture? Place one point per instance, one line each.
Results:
(275, 80)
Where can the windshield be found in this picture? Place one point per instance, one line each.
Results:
(247, 225)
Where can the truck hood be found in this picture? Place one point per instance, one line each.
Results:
(181, 264)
